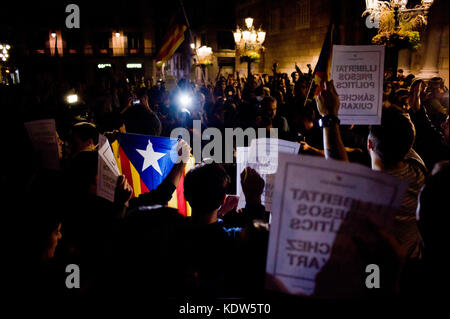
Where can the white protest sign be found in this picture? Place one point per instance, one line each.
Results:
(262, 155)
(358, 74)
(108, 172)
(43, 137)
(312, 197)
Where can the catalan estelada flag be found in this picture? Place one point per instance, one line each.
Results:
(173, 39)
(145, 161)
(322, 71)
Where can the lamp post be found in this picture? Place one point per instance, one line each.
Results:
(248, 42)
(405, 19)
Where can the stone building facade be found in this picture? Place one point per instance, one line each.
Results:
(296, 30)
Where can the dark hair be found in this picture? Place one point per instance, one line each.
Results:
(205, 186)
(85, 131)
(393, 139)
(267, 100)
(140, 120)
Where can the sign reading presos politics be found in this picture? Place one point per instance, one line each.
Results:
(312, 198)
(358, 74)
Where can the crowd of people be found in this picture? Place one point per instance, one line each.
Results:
(139, 245)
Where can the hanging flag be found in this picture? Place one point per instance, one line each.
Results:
(322, 71)
(145, 161)
(173, 39)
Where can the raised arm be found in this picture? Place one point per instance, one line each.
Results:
(328, 106)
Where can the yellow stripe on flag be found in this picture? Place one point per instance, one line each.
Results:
(115, 149)
(136, 181)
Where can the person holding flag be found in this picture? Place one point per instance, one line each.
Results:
(155, 167)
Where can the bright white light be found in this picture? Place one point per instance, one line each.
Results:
(3, 59)
(8, 47)
(246, 35)
(117, 34)
(134, 66)
(261, 36)
(1, 46)
(103, 65)
(53, 35)
(253, 36)
(249, 22)
(185, 100)
(72, 98)
(371, 4)
(204, 51)
(192, 45)
(237, 35)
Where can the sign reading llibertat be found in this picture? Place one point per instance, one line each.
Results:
(315, 201)
(357, 73)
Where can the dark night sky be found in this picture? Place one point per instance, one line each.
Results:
(103, 14)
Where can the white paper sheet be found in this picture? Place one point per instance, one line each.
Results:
(266, 166)
(43, 137)
(108, 172)
(358, 74)
(311, 198)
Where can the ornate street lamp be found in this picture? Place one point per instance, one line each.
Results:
(204, 54)
(249, 42)
(398, 26)
(4, 52)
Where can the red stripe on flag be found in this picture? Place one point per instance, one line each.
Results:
(181, 202)
(168, 47)
(144, 188)
(125, 163)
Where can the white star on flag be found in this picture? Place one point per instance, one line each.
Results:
(151, 158)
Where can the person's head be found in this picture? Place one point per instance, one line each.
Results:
(400, 73)
(269, 107)
(83, 137)
(436, 86)
(305, 117)
(44, 216)
(139, 119)
(205, 189)
(302, 88)
(402, 99)
(295, 76)
(142, 96)
(389, 142)
(432, 217)
(387, 88)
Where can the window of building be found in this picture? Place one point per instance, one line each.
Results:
(302, 14)
(225, 40)
(275, 21)
(135, 40)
